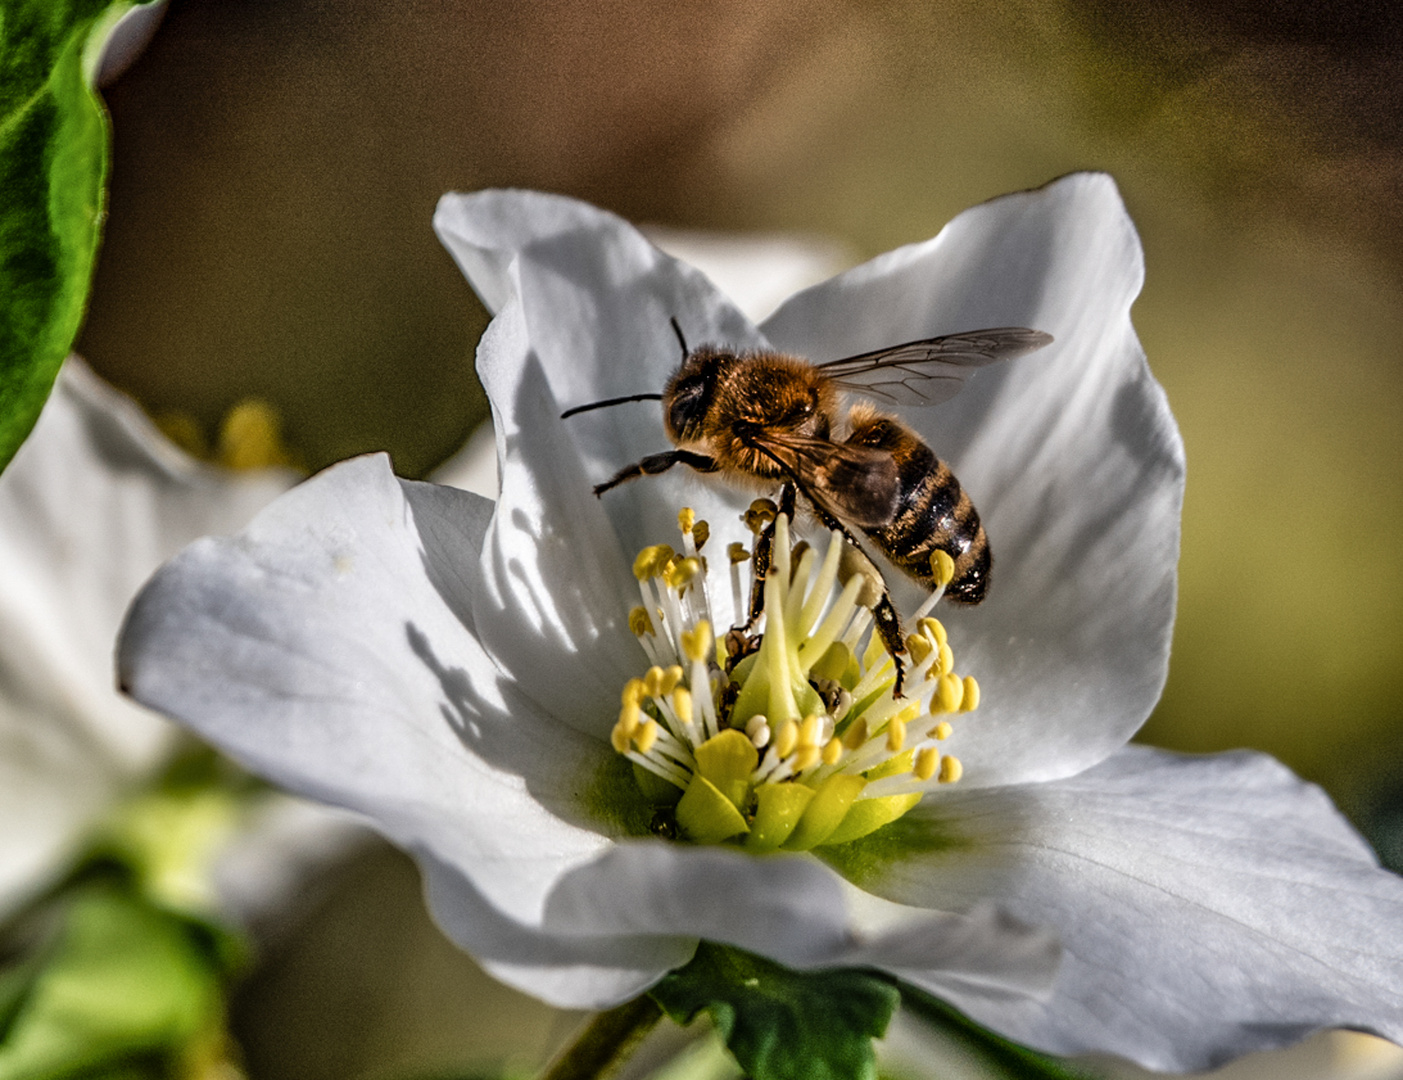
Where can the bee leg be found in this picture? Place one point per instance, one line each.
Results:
(764, 555)
(654, 464)
(787, 498)
(889, 627)
(884, 613)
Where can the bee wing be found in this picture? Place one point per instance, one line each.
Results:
(932, 370)
(855, 484)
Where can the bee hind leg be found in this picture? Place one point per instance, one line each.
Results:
(884, 613)
(654, 464)
(889, 627)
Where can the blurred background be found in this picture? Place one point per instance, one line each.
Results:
(276, 164)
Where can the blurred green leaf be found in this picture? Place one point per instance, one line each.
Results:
(122, 990)
(783, 1024)
(53, 166)
(999, 1056)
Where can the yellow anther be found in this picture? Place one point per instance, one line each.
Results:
(251, 437)
(639, 622)
(696, 643)
(701, 533)
(737, 553)
(919, 646)
(806, 758)
(686, 518)
(946, 663)
(634, 692)
(856, 734)
(833, 751)
(941, 731)
(627, 727)
(950, 769)
(927, 760)
(671, 677)
(646, 736)
(682, 703)
(760, 514)
(809, 729)
(971, 698)
(942, 568)
(653, 681)
(786, 738)
(933, 629)
(185, 431)
(911, 713)
(682, 572)
(949, 692)
(650, 561)
(896, 734)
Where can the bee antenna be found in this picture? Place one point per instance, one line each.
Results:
(611, 401)
(680, 339)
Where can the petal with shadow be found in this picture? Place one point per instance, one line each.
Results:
(320, 647)
(1070, 454)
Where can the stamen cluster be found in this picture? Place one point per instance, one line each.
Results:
(786, 733)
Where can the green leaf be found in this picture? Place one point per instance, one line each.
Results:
(124, 986)
(999, 1057)
(53, 166)
(783, 1024)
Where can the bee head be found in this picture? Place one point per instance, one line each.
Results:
(690, 392)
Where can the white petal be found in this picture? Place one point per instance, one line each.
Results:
(552, 604)
(126, 40)
(321, 648)
(557, 584)
(565, 970)
(1070, 455)
(615, 925)
(1207, 907)
(758, 271)
(795, 910)
(474, 467)
(595, 302)
(93, 502)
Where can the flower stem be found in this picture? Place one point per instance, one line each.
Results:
(606, 1041)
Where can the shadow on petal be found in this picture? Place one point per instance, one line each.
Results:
(575, 777)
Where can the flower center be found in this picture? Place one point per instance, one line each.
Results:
(788, 734)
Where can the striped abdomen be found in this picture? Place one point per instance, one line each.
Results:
(932, 511)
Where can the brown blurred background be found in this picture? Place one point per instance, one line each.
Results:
(277, 162)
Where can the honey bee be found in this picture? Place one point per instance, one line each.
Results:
(764, 418)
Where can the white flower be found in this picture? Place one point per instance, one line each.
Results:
(453, 667)
(93, 502)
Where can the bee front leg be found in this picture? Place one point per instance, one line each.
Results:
(654, 464)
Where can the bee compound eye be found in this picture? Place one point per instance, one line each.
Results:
(688, 404)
